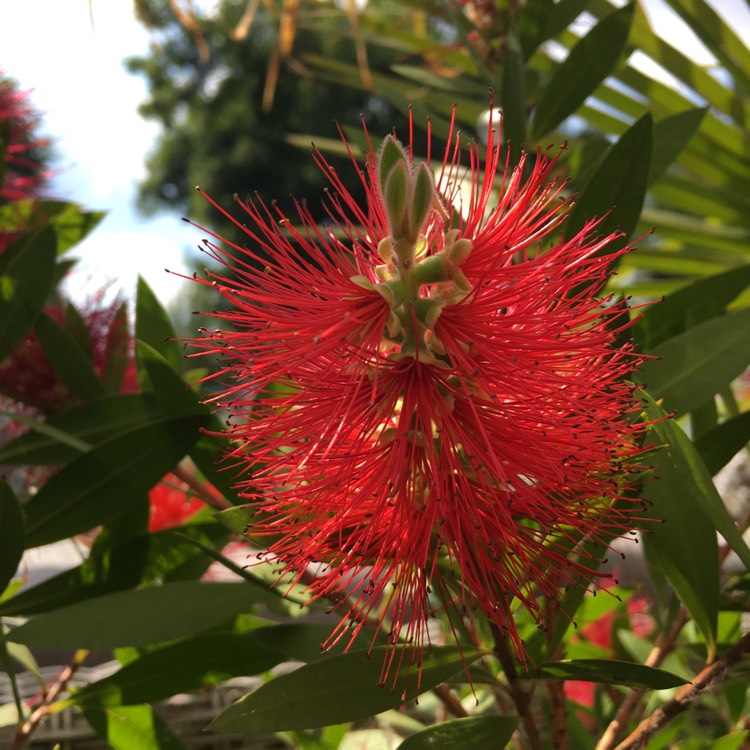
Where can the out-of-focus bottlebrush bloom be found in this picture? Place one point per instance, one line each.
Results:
(28, 377)
(429, 394)
(172, 502)
(25, 174)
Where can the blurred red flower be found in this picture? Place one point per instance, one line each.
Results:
(172, 502)
(430, 393)
(25, 174)
(28, 377)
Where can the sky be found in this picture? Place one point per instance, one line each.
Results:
(73, 63)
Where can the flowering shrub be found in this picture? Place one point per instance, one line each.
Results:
(438, 414)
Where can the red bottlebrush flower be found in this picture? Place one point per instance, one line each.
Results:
(27, 376)
(171, 503)
(25, 175)
(431, 397)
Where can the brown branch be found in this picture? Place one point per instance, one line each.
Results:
(201, 490)
(556, 690)
(710, 676)
(50, 695)
(517, 693)
(659, 652)
(450, 700)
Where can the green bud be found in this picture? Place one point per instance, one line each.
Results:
(391, 153)
(422, 200)
(394, 196)
(459, 251)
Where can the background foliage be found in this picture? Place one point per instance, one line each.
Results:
(125, 430)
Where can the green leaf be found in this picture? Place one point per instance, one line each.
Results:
(138, 560)
(684, 545)
(140, 617)
(175, 395)
(132, 728)
(719, 445)
(69, 361)
(591, 60)
(471, 733)
(695, 303)
(618, 186)
(72, 224)
(117, 355)
(11, 534)
(695, 365)
(66, 435)
(153, 326)
(684, 470)
(608, 672)
(332, 691)
(671, 135)
(512, 97)
(181, 667)
(24, 288)
(76, 326)
(302, 640)
(100, 485)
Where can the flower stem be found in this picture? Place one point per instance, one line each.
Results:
(518, 694)
(710, 676)
(50, 695)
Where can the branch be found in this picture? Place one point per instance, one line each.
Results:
(659, 652)
(50, 695)
(519, 695)
(710, 676)
(450, 700)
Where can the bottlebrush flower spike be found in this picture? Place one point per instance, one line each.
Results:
(430, 397)
(25, 176)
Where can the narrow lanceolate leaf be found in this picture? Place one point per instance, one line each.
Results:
(471, 733)
(302, 640)
(132, 727)
(693, 304)
(617, 189)
(695, 365)
(512, 98)
(720, 444)
(332, 691)
(11, 534)
(68, 359)
(685, 546)
(68, 434)
(138, 617)
(102, 483)
(591, 60)
(24, 287)
(137, 561)
(173, 392)
(608, 672)
(181, 667)
(671, 135)
(681, 458)
(153, 326)
(117, 352)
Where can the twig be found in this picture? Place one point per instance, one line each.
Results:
(710, 676)
(450, 700)
(50, 695)
(659, 652)
(556, 690)
(519, 695)
(201, 490)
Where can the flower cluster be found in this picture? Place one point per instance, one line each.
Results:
(28, 377)
(24, 175)
(430, 400)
